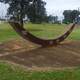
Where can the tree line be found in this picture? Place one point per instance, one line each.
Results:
(36, 12)
(70, 16)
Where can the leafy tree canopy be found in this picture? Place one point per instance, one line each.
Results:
(70, 15)
(33, 9)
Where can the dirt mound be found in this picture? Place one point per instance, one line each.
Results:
(17, 45)
(32, 56)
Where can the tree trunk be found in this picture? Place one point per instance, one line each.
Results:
(21, 13)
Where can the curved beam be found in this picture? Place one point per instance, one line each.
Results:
(26, 35)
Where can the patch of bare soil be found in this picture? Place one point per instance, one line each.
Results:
(34, 57)
(14, 46)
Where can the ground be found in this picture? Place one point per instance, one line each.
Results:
(34, 57)
(16, 51)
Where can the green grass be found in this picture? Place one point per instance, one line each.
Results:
(10, 72)
(45, 31)
(75, 35)
(6, 32)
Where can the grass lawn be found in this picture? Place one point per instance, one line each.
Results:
(6, 32)
(47, 31)
(10, 72)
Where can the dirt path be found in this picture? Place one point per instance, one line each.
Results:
(35, 57)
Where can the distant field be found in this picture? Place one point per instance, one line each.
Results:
(45, 31)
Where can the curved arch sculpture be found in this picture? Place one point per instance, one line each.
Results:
(28, 36)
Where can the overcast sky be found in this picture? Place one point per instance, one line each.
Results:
(55, 7)
(3, 9)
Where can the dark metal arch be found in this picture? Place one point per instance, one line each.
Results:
(26, 35)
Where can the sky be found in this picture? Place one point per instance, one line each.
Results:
(54, 7)
(3, 9)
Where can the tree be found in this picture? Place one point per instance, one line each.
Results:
(34, 9)
(52, 19)
(74, 14)
(67, 18)
(55, 18)
(37, 11)
(70, 15)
